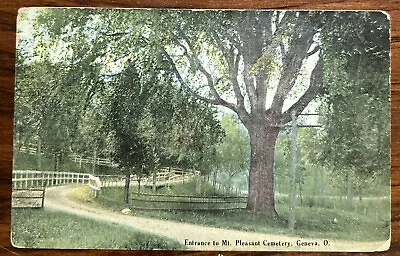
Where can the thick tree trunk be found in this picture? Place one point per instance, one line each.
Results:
(261, 177)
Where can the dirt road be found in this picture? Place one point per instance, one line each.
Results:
(200, 237)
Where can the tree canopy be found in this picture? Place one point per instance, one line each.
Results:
(158, 71)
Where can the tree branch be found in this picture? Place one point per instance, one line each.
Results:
(115, 34)
(308, 96)
(233, 65)
(316, 49)
(194, 61)
(297, 52)
(216, 101)
(250, 89)
(283, 51)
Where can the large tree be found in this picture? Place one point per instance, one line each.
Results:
(249, 62)
(263, 65)
(153, 122)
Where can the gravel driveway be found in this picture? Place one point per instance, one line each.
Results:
(201, 237)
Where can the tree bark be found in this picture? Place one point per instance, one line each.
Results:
(214, 182)
(139, 180)
(245, 57)
(154, 180)
(261, 177)
(126, 190)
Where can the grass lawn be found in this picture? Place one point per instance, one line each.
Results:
(38, 228)
(315, 222)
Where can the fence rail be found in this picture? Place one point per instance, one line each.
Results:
(76, 158)
(142, 201)
(28, 198)
(163, 177)
(38, 179)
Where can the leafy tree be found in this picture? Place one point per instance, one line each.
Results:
(356, 138)
(233, 153)
(234, 59)
(263, 65)
(216, 56)
(148, 120)
(47, 109)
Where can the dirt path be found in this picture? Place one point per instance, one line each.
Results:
(206, 238)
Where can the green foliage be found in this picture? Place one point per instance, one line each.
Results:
(156, 124)
(100, 99)
(364, 224)
(233, 153)
(48, 229)
(266, 64)
(132, 85)
(25, 161)
(355, 139)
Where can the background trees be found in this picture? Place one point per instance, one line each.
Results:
(147, 78)
(251, 50)
(112, 101)
(356, 109)
(233, 152)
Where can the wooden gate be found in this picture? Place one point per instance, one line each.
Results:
(28, 198)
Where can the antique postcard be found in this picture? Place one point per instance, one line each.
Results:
(211, 130)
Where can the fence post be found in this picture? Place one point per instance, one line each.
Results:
(31, 178)
(43, 192)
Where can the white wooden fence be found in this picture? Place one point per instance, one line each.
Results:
(76, 158)
(36, 179)
(27, 184)
(163, 176)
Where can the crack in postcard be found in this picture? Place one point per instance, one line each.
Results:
(224, 130)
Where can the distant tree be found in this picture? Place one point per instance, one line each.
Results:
(252, 62)
(233, 153)
(154, 124)
(356, 117)
(48, 109)
(245, 49)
